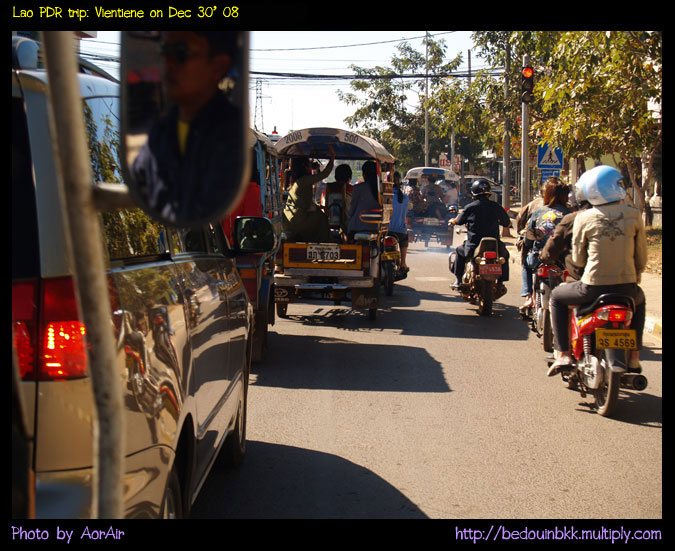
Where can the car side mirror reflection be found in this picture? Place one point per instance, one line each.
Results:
(253, 234)
(185, 123)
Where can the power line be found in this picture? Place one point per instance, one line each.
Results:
(345, 45)
(305, 76)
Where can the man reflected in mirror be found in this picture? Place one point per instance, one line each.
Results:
(191, 157)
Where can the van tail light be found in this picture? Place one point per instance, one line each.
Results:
(24, 325)
(49, 337)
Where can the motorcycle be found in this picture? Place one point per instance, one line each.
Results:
(546, 278)
(600, 338)
(479, 284)
(390, 264)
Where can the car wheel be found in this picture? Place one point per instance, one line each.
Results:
(172, 507)
(234, 449)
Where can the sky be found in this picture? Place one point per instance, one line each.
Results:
(291, 104)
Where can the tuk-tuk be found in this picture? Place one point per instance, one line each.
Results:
(434, 198)
(336, 271)
(257, 270)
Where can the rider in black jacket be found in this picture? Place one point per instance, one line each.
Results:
(482, 218)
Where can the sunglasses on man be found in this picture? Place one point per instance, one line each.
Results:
(178, 51)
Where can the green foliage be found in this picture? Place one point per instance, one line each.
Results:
(596, 93)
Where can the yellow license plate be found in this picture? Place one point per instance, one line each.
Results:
(623, 339)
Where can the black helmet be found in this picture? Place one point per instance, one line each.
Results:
(480, 187)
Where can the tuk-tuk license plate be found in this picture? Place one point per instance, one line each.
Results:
(323, 252)
(623, 339)
(490, 269)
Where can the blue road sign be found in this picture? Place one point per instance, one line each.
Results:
(549, 157)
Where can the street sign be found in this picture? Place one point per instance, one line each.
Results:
(547, 173)
(549, 157)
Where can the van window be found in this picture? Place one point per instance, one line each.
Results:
(128, 233)
(25, 246)
(131, 233)
(216, 238)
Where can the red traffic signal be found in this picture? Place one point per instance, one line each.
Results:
(527, 85)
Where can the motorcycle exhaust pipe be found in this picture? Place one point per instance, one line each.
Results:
(634, 381)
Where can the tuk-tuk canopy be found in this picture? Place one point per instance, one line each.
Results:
(433, 173)
(316, 142)
(258, 137)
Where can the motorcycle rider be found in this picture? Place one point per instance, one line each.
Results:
(482, 218)
(609, 240)
(543, 219)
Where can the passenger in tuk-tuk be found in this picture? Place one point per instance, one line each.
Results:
(337, 198)
(303, 220)
(364, 197)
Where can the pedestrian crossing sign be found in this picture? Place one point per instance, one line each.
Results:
(549, 156)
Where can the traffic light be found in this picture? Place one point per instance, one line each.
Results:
(527, 85)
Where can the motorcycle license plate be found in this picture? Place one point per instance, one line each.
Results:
(323, 252)
(623, 339)
(490, 269)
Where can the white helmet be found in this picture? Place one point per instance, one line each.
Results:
(600, 186)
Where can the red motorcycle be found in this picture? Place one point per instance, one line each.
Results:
(600, 339)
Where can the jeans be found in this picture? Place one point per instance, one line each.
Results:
(578, 293)
(530, 263)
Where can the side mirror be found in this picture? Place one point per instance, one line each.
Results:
(253, 234)
(185, 123)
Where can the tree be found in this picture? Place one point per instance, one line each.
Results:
(383, 108)
(601, 94)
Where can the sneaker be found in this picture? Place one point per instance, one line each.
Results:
(563, 363)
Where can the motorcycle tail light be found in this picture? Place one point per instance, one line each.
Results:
(389, 241)
(615, 315)
(489, 254)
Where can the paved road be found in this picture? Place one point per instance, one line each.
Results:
(432, 411)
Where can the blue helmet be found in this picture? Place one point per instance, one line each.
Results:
(600, 185)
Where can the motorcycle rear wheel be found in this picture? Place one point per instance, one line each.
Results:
(547, 332)
(388, 278)
(607, 396)
(485, 298)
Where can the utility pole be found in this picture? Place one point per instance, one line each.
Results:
(524, 149)
(506, 168)
(426, 106)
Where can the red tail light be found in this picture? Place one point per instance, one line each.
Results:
(24, 325)
(489, 254)
(615, 314)
(389, 241)
(52, 344)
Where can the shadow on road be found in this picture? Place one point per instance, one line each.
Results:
(284, 482)
(317, 362)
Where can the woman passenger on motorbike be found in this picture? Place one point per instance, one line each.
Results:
(543, 220)
(609, 240)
